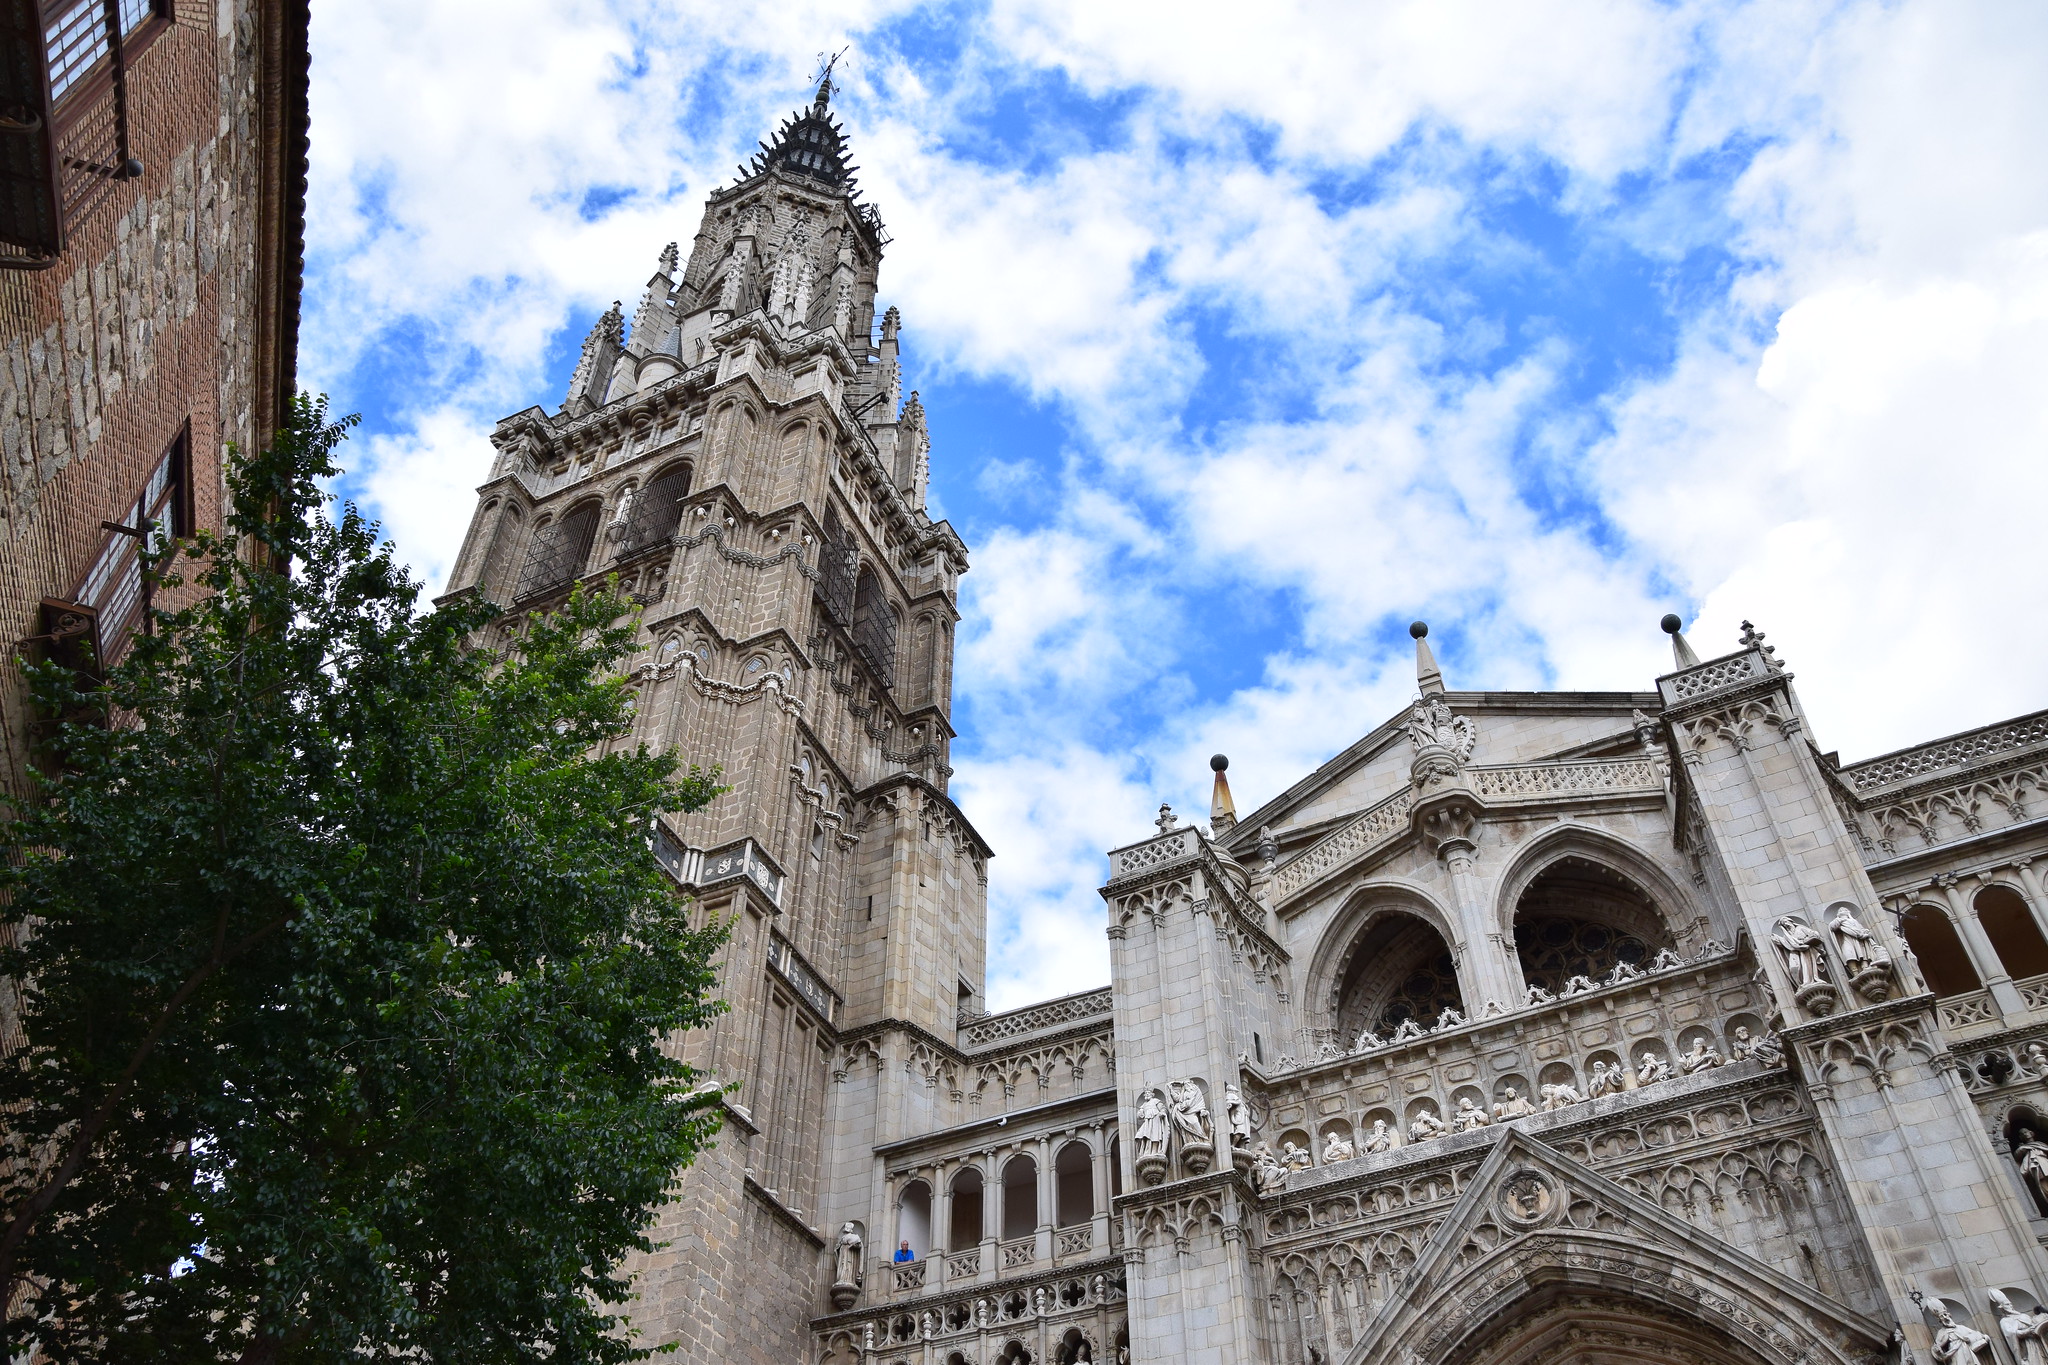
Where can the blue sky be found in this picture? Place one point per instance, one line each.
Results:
(1247, 337)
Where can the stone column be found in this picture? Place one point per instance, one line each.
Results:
(1048, 1199)
(942, 1221)
(1978, 945)
(1099, 1171)
(2037, 901)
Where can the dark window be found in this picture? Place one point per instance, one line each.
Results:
(874, 627)
(656, 509)
(559, 553)
(837, 560)
(65, 113)
(114, 589)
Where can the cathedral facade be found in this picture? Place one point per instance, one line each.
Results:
(1533, 1027)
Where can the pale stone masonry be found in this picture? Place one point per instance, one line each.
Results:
(1532, 1027)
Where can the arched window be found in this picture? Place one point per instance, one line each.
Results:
(1578, 918)
(2010, 926)
(1020, 1198)
(837, 560)
(558, 553)
(656, 510)
(874, 626)
(1942, 959)
(1116, 1168)
(1074, 1180)
(914, 1218)
(1399, 970)
(965, 1234)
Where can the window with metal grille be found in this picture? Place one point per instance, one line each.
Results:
(837, 560)
(116, 588)
(656, 509)
(558, 553)
(65, 113)
(874, 627)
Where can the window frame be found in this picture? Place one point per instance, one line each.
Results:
(169, 510)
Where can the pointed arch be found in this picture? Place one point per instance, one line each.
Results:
(1667, 912)
(1383, 909)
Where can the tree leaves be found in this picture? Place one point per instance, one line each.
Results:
(345, 958)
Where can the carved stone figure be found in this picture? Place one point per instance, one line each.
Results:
(1603, 1081)
(1852, 940)
(1698, 1057)
(1450, 1018)
(1367, 1041)
(2022, 1331)
(1329, 1052)
(1238, 1113)
(1272, 1175)
(1559, 1095)
(1426, 1126)
(1800, 944)
(1381, 1138)
(1713, 947)
(1578, 985)
(1433, 724)
(1512, 1105)
(1409, 1029)
(1190, 1113)
(1766, 1049)
(1653, 1069)
(1623, 971)
(1337, 1147)
(1150, 1141)
(1955, 1344)
(1468, 1116)
(1539, 996)
(1664, 961)
(846, 1261)
(1295, 1158)
(2032, 1155)
(1493, 1010)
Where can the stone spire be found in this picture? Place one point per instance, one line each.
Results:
(1680, 650)
(1428, 677)
(1222, 810)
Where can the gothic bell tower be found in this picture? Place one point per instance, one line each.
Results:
(744, 457)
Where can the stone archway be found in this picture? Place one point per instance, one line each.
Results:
(1556, 1325)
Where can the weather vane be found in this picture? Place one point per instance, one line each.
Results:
(825, 65)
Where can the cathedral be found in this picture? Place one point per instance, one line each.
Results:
(1628, 1026)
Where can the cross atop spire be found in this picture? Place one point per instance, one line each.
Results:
(825, 83)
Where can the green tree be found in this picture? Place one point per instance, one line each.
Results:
(344, 958)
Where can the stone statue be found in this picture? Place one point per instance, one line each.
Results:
(1239, 1113)
(2032, 1155)
(1539, 996)
(1150, 1143)
(1664, 961)
(1367, 1041)
(1381, 1138)
(1698, 1057)
(2035, 1056)
(1852, 940)
(1337, 1147)
(2022, 1331)
(1653, 1069)
(1559, 1095)
(1329, 1052)
(1426, 1126)
(1955, 1344)
(1450, 1018)
(1272, 1175)
(1269, 847)
(1603, 1081)
(1295, 1158)
(1623, 971)
(1409, 1029)
(1469, 1116)
(1766, 1049)
(1578, 985)
(1190, 1113)
(1512, 1105)
(1433, 723)
(846, 1263)
(1801, 945)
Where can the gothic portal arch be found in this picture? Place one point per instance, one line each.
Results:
(1388, 957)
(1578, 900)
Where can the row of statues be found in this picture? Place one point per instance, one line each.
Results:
(2026, 1333)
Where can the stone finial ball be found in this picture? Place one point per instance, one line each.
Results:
(1418, 628)
(1671, 623)
(1217, 763)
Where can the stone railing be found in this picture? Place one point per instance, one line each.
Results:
(1055, 1297)
(1715, 675)
(1170, 847)
(2034, 992)
(1072, 1241)
(1895, 825)
(964, 1266)
(1958, 751)
(1069, 1009)
(1967, 1010)
(1349, 842)
(910, 1277)
(1016, 1254)
(1591, 777)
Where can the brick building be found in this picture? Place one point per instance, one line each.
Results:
(152, 194)
(1606, 1027)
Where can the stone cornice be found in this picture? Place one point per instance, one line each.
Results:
(964, 1134)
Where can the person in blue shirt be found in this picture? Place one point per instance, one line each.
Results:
(904, 1253)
